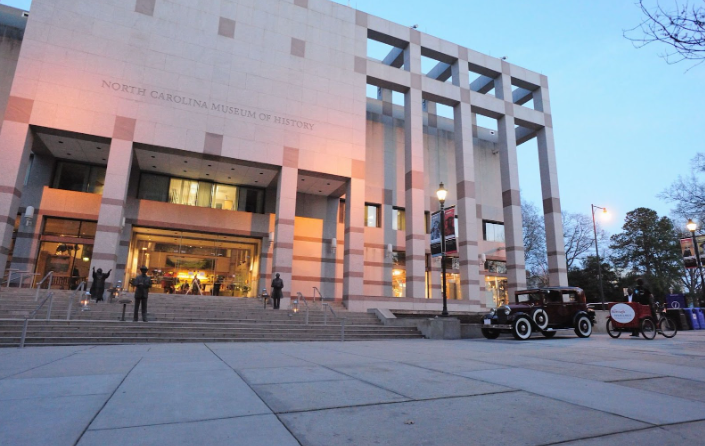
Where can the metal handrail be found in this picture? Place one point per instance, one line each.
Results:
(81, 287)
(50, 298)
(302, 298)
(316, 290)
(50, 276)
(342, 320)
(10, 272)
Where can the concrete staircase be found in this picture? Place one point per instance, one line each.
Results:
(179, 318)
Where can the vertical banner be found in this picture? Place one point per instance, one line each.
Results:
(688, 251)
(451, 236)
(436, 234)
(450, 229)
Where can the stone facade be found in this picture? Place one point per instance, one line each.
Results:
(275, 88)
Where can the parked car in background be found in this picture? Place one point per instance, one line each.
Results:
(546, 310)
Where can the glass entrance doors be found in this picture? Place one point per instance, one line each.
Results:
(223, 265)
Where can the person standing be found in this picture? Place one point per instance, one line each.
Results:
(98, 286)
(142, 284)
(277, 285)
(643, 296)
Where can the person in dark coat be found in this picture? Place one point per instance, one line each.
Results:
(277, 285)
(643, 296)
(98, 286)
(142, 284)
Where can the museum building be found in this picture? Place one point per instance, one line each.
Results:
(231, 140)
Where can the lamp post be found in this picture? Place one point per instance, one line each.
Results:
(441, 194)
(692, 227)
(597, 252)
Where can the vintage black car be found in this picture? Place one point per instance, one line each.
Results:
(546, 310)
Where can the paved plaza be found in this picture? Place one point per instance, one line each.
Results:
(415, 392)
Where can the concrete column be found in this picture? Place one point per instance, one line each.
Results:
(414, 180)
(283, 256)
(466, 208)
(328, 256)
(15, 147)
(553, 220)
(354, 255)
(390, 185)
(511, 199)
(112, 206)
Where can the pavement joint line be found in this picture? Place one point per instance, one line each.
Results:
(57, 396)
(255, 392)
(388, 403)
(300, 382)
(353, 377)
(105, 403)
(639, 379)
(639, 429)
(169, 423)
(42, 365)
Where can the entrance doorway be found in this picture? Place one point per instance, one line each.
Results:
(224, 265)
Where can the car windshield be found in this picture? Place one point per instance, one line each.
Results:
(532, 298)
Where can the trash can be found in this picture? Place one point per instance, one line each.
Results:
(692, 316)
(701, 317)
(679, 317)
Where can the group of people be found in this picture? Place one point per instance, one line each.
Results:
(143, 283)
(641, 295)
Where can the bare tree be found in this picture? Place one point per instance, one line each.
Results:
(688, 193)
(681, 29)
(579, 237)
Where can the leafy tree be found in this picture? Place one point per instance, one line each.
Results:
(648, 247)
(585, 276)
(681, 29)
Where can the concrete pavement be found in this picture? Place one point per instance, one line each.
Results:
(414, 392)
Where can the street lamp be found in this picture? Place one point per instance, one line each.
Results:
(441, 194)
(597, 252)
(692, 227)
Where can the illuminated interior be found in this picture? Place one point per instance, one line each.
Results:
(496, 287)
(175, 258)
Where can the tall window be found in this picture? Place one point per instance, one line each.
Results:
(79, 177)
(341, 211)
(493, 231)
(372, 219)
(200, 193)
(398, 219)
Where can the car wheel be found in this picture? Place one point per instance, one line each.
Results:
(613, 332)
(583, 327)
(489, 333)
(522, 328)
(548, 334)
(541, 319)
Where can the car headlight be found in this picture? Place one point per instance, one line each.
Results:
(506, 309)
(492, 312)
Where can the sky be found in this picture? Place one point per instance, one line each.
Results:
(626, 124)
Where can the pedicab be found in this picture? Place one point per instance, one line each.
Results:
(632, 316)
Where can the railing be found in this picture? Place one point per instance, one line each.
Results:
(342, 320)
(321, 298)
(50, 278)
(50, 298)
(78, 291)
(301, 298)
(21, 274)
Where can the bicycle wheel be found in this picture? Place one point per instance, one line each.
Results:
(613, 332)
(648, 329)
(667, 327)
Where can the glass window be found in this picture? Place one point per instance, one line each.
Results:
(341, 212)
(153, 187)
(493, 231)
(79, 177)
(427, 221)
(203, 196)
(96, 180)
(496, 266)
(372, 215)
(88, 229)
(62, 227)
(183, 191)
(224, 197)
(251, 200)
(399, 274)
(398, 219)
